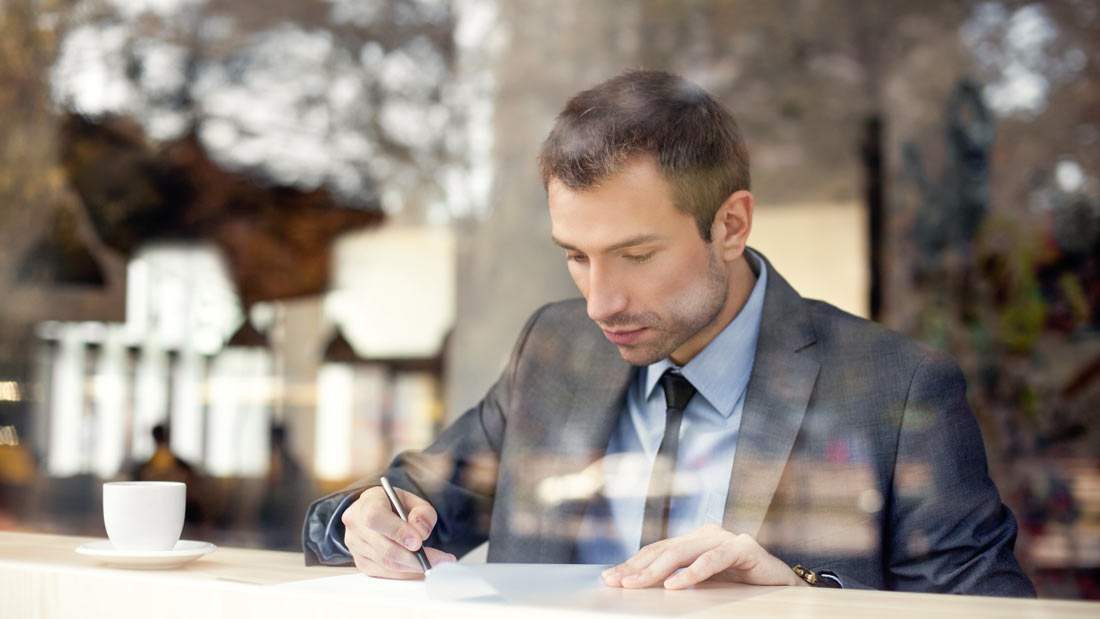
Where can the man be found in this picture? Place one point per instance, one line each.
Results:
(693, 411)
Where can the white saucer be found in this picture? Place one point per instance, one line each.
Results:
(185, 551)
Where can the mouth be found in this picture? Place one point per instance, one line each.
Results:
(624, 336)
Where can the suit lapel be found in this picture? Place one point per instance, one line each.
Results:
(778, 392)
(594, 409)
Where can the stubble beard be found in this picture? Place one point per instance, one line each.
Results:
(686, 317)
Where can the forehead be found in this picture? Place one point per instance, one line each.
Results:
(636, 200)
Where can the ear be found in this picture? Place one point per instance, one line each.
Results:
(730, 229)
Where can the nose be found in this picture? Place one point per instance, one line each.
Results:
(605, 297)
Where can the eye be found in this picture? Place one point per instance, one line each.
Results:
(578, 258)
(640, 258)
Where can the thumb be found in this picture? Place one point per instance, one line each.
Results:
(421, 515)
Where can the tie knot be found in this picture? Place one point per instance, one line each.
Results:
(678, 390)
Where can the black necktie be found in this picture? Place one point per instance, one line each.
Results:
(678, 392)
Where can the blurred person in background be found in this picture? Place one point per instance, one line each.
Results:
(164, 465)
(287, 489)
(18, 474)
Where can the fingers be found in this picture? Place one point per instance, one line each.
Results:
(374, 570)
(381, 543)
(383, 558)
(379, 549)
(372, 512)
(435, 557)
(613, 576)
(679, 552)
(707, 552)
(708, 564)
(421, 514)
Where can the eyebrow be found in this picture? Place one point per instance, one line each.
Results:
(633, 241)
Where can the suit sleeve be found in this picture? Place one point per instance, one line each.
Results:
(947, 530)
(457, 474)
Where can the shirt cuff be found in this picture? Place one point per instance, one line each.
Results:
(831, 577)
(333, 543)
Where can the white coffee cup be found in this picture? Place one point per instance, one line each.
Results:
(144, 515)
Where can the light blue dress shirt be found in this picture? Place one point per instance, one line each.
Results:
(611, 530)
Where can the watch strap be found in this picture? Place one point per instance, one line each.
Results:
(825, 580)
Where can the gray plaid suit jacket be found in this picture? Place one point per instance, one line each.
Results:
(857, 454)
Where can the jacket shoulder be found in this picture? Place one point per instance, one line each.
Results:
(561, 321)
(562, 335)
(841, 335)
(569, 311)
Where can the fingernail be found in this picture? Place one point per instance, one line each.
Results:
(411, 543)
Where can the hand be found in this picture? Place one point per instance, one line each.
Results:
(381, 543)
(707, 553)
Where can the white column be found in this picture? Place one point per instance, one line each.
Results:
(65, 454)
(149, 399)
(187, 405)
(109, 393)
(334, 419)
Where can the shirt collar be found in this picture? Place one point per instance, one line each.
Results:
(720, 372)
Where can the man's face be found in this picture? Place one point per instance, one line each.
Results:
(651, 282)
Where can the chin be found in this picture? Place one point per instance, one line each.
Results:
(640, 357)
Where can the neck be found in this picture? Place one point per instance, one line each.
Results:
(741, 281)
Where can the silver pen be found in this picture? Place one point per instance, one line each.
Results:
(395, 502)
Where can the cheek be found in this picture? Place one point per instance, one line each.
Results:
(672, 276)
(679, 280)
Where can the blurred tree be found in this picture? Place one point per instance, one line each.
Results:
(313, 99)
(275, 238)
(313, 94)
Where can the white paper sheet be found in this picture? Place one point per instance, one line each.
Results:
(483, 582)
(512, 582)
(361, 584)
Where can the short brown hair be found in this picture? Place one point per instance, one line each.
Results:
(695, 140)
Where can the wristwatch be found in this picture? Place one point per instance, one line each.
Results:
(826, 580)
